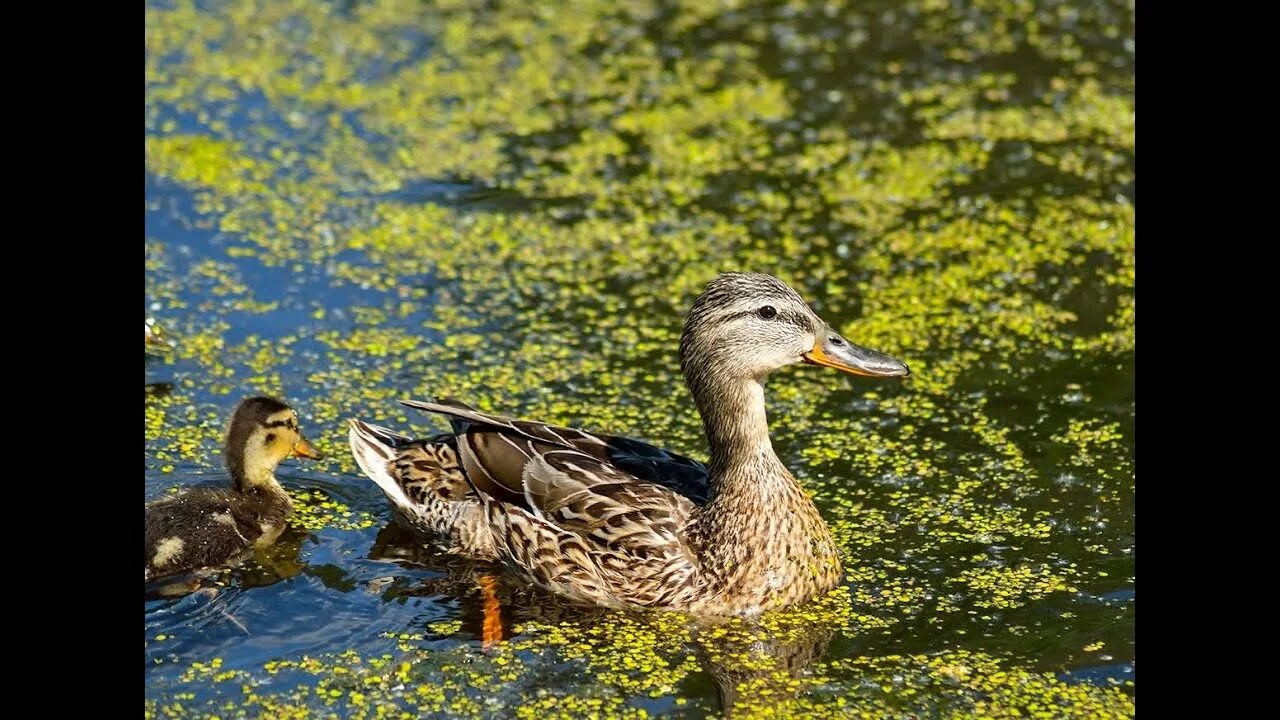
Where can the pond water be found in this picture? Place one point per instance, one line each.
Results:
(514, 204)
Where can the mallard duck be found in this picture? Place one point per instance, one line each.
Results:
(204, 527)
(611, 521)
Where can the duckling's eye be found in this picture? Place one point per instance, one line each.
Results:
(768, 312)
(271, 437)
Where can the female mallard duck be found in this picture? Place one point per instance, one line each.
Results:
(203, 527)
(612, 521)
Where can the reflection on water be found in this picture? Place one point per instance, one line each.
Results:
(776, 663)
(260, 568)
(463, 581)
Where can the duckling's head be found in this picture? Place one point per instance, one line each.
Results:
(746, 325)
(263, 432)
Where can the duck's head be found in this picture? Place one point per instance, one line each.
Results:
(263, 432)
(746, 325)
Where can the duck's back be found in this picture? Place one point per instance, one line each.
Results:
(200, 527)
(640, 460)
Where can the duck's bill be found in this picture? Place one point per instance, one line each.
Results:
(836, 352)
(304, 449)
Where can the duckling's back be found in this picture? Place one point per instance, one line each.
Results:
(199, 528)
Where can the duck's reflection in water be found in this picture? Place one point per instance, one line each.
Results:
(742, 662)
(745, 663)
(259, 568)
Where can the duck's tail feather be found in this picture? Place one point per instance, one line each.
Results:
(374, 448)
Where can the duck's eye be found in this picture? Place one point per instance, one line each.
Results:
(768, 312)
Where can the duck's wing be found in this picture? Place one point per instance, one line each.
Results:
(576, 521)
(542, 469)
(656, 465)
(586, 528)
(637, 459)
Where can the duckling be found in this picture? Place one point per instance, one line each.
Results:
(203, 527)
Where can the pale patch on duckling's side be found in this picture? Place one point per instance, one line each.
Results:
(167, 550)
(270, 531)
(226, 518)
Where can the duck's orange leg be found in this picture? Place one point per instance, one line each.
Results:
(491, 632)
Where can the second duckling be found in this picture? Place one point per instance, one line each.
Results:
(203, 527)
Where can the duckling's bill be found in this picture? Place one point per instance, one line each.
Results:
(305, 449)
(833, 351)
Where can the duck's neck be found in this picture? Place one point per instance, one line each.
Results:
(737, 428)
(254, 474)
(762, 542)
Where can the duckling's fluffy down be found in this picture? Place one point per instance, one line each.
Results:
(201, 527)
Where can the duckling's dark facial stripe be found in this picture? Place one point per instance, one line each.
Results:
(286, 418)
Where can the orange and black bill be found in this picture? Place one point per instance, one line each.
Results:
(833, 351)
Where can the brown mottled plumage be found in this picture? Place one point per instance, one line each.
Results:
(612, 521)
(202, 527)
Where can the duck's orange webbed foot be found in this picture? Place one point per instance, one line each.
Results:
(491, 632)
